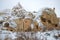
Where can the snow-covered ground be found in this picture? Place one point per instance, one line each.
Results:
(35, 35)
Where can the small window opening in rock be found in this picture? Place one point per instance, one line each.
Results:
(59, 35)
(11, 30)
(43, 19)
(1, 22)
(49, 21)
(56, 25)
(37, 26)
(6, 25)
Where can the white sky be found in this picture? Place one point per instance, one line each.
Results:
(31, 5)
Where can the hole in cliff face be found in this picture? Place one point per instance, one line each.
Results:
(6, 25)
(49, 21)
(11, 30)
(37, 26)
(43, 19)
(56, 25)
(59, 35)
(1, 22)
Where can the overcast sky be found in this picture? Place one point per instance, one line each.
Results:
(31, 5)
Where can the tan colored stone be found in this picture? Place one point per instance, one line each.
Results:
(19, 23)
(23, 24)
(36, 27)
(49, 19)
(27, 24)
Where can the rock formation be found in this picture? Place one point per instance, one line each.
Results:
(49, 18)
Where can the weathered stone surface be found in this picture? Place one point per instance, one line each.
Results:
(27, 23)
(19, 23)
(8, 27)
(23, 24)
(49, 18)
(36, 27)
